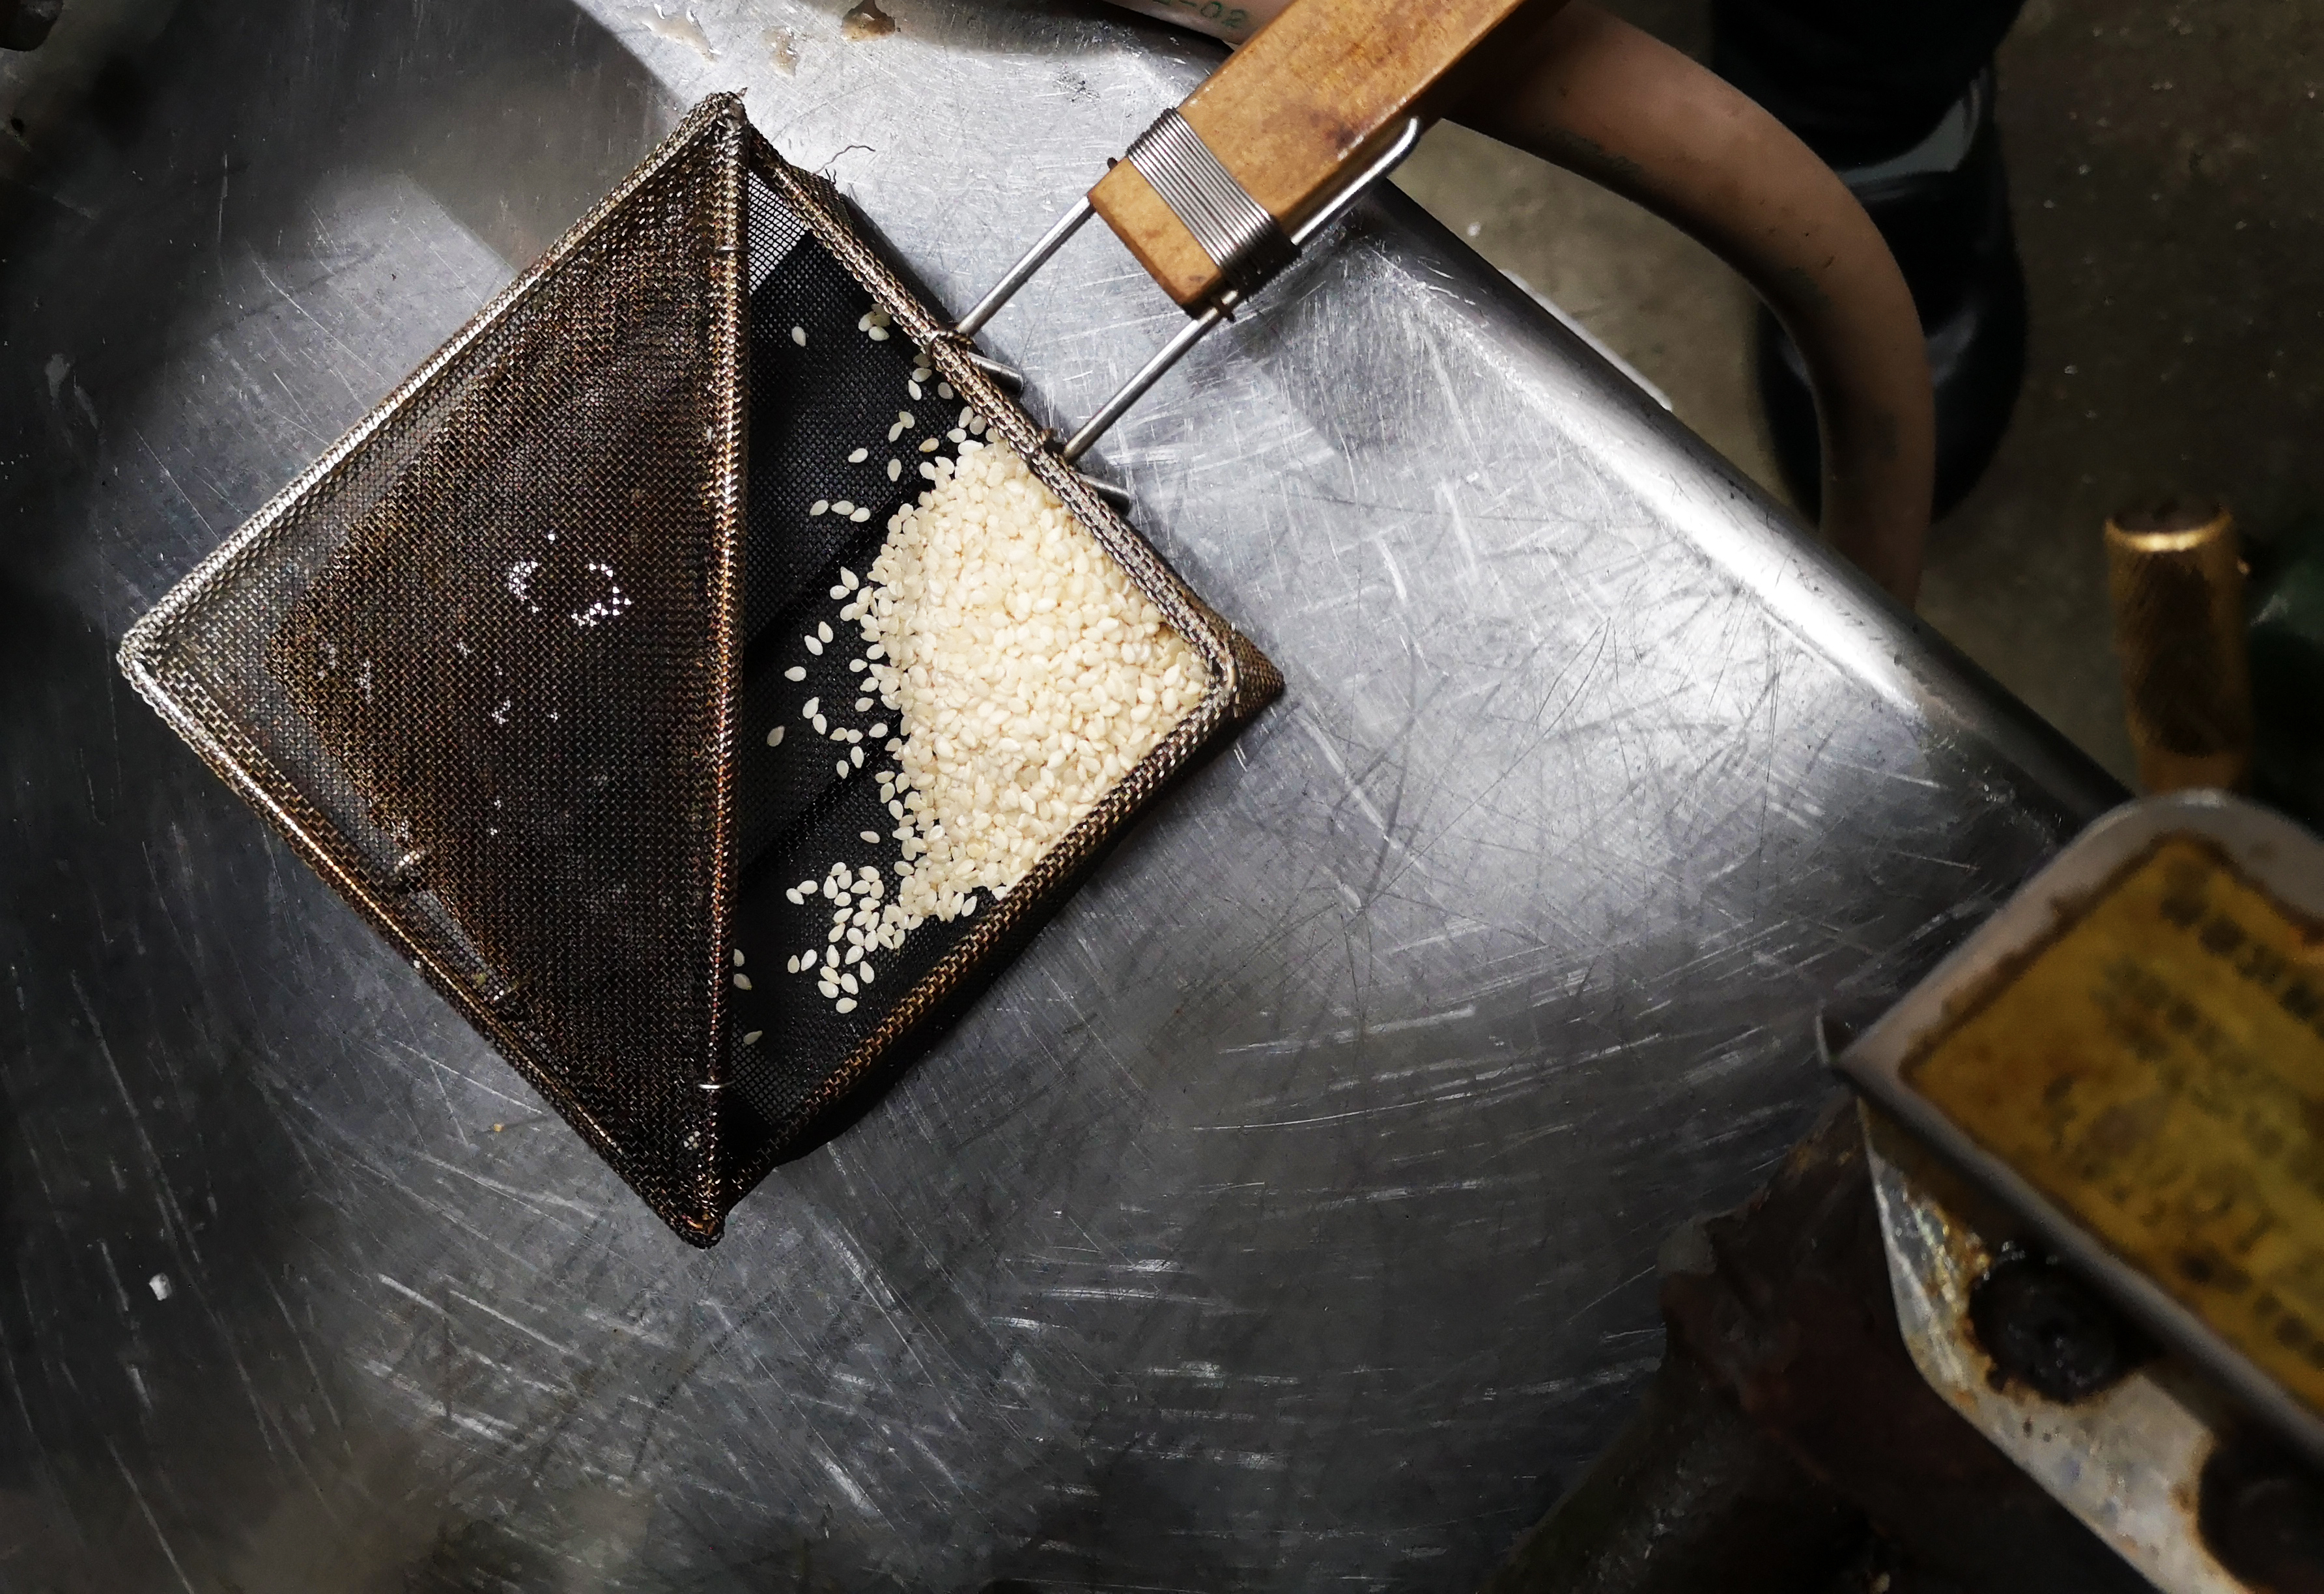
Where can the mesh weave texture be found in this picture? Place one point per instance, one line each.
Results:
(502, 665)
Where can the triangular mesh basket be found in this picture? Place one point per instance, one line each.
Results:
(502, 665)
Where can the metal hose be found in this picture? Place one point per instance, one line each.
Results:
(1600, 99)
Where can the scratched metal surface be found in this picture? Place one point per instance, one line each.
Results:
(1284, 1221)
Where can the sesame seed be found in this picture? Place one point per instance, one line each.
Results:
(827, 987)
(818, 506)
(895, 431)
(810, 708)
(742, 982)
(847, 983)
(751, 1040)
(863, 704)
(790, 965)
(912, 388)
(792, 893)
(895, 469)
(738, 957)
(879, 729)
(929, 446)
(859, 457)
(813, 646)
(796, 672)
(775, 736)
(855, 757)
(878, 334)
(840, 506)
(822, 630)
(864, 973)
(820, 723)
(861, 515)
(842, 768)
(849, 580)
(838, 591)
(872, 837)
(846, 1004)
(798, 335)
(943, 391)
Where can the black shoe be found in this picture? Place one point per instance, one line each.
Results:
(1950, 232)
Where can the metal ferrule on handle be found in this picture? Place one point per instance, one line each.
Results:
(1258, 261)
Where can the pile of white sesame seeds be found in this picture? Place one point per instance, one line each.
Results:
(1022, 670)
(1031, 675)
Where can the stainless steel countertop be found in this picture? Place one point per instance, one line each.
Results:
(1284, 1219)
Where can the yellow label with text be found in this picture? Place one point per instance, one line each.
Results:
(2157, 1071)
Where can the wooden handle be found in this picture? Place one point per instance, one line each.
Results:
(1295, 111)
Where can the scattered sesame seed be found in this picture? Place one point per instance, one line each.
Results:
(846, 1004)
(929, 446)
(818, 506)
(843, 768)
(798, 335)
(827, 987)
(849, 580)
(872, 837)
(861, 515)
(796, 672)
(895, 469)
(820, 723)
(775, 736)
(863, 704)
(813, 645)
(738, 957)
(943, 391)
(878, 334)
(810, 708)
(822, 630)
(742, 982)
(859, 457)
(912, 388)
(751, 1040)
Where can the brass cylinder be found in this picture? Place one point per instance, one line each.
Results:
(2177, 579)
